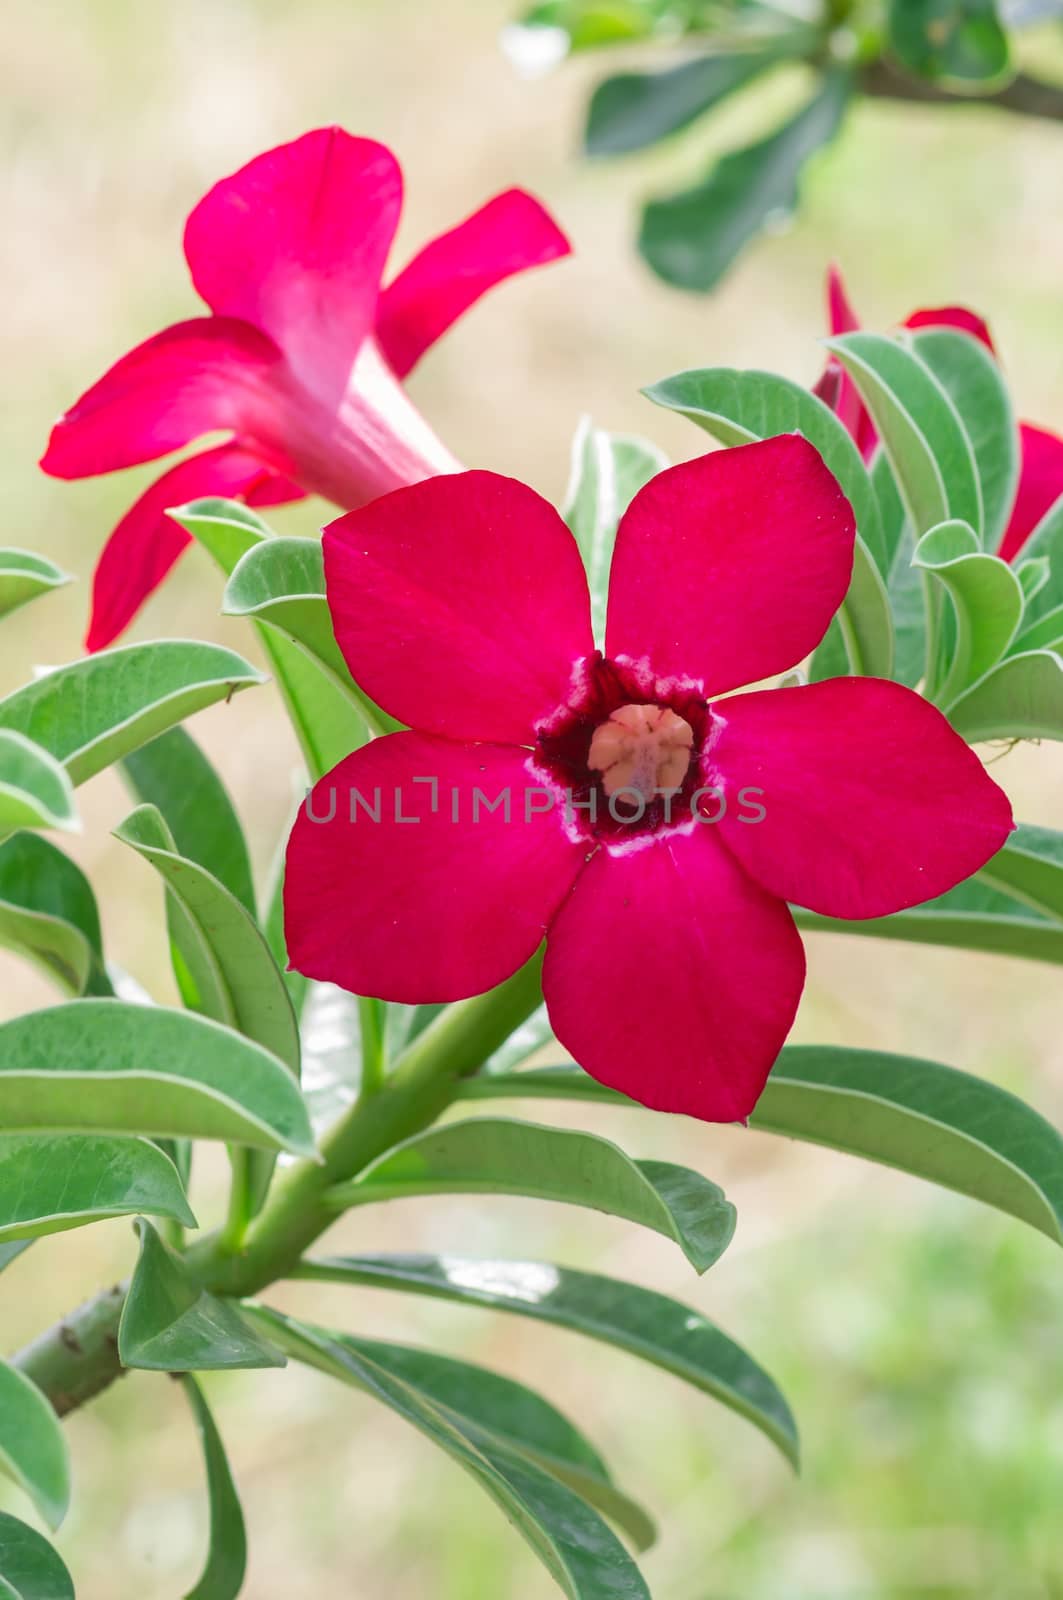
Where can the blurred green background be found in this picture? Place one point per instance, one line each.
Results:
(917, 1336)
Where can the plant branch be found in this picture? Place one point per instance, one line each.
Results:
(1028, 97)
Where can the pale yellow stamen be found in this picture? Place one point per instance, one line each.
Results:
(642, 748)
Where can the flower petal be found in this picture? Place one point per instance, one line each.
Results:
(416, 906)
(871, 802)
(208, 373)
(509, 234)
(729, 568)
(460, 604)
(146, 543)
(835, 388)
(674, 978)
(953, 317)
(1040, 486)
(295, 242)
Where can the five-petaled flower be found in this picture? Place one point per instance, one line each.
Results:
(673, 967)
(300, 361)
(1041, 452)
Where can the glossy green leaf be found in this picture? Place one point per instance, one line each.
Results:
(281, 582)
(692, 238)
(518, 1418)
(927, 445)
(931, 1121)
(738, 407)
(499, 1156)
(580, 1552)
(48, 914)
(99, 709)
(973, 916)
(52, 1182)
(172, 774)
(1021, 698)
(1044, 633)
(29, 1568)
(111, 1067)
(973, 381)
(25, 575)
(608, 470)
(646, 1324)
(170, 1324)
(327, 723)
(636, 109)
(33, 1445)
(223, 1575)
(959, 44)
(273, 927)
(986, 599)
(1045, 544)
(35, 791)
(1030, 867)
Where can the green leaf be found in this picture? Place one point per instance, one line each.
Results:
(170, 1324)
(932, 1121)
(173, 774)
(25, 575)
(608, 470)
(636, 109)
(1030, 867)
(927, 445)
(273, 927)
(113, 1067)
(33, 1446)
(48, 914)
(583, 1556)
(97, 710)
(692, 238)
(1021, 698)
(1045, 633)
(516, 1417)
(498, 1156)
(589, 24)
(29, 1568)
(973, 916)
(986, 599)
(738, 407)
(223, 1576)
(972, 379)
(281, 582)
(35, 791)
(49, 1183)
(1046, 544)
(326, 722)
(959, 44)
(640, 1321)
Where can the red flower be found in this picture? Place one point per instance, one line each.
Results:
(673, 967)
(301, 359)
(1041, 474)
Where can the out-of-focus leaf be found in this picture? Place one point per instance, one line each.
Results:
(960, 44)
(986, 600)
(608, 470)
(636, 109)
(522, 1043)
(170, 1324)
(25, 575)
(580, 1552)
(222, 1577)
(921, 431)
(330, 1029)
(1021, 698)
(52, 1182)
(1030, 867)
(172, 774)
(35, 791)
(690, 239)
(644, 1323)
(48, 914)
(29, 1568)
(499, 1156)
(973, 916)
(33, 1445)
(99, 709)
(110, 1067)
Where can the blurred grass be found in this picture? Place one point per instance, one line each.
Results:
(918, 1337)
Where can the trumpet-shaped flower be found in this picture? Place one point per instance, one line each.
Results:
(628, 806)
(301, 359)
(1041, 452)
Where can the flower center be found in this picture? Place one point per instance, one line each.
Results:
(644, 749)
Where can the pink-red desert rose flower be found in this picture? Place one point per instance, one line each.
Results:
(301, 358)
(1041, 474)
(653, 831)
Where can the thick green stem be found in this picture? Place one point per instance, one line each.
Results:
(78, 1357)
